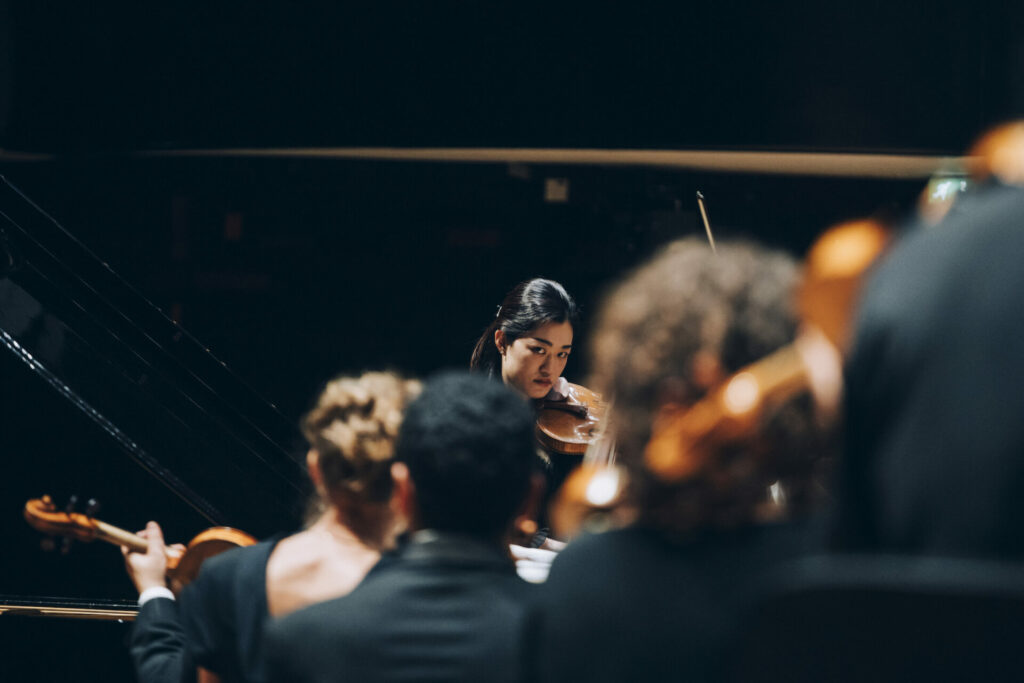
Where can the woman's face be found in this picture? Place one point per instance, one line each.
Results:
(533, 362)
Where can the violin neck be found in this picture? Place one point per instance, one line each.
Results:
(117, 536)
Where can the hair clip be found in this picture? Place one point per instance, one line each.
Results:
(498, 314)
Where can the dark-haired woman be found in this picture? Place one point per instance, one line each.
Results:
(530, 339)
(527, 345)
(217, 626)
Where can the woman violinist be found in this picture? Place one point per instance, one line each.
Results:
(529, 341)
(527, 345)
(217, 623)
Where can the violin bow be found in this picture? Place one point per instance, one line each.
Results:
(707, 225)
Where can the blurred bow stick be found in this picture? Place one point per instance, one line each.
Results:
(707, 226)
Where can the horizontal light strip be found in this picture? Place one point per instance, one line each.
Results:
(776, 163)
(70, 612)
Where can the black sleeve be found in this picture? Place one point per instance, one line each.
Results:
(295, 649)
(207, 622)
(157, 644)
(278, 663)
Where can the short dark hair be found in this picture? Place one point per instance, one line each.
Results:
(469, 447)
(529, 305)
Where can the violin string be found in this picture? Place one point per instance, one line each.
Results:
(601, 451)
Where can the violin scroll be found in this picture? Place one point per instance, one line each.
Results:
(42, 514)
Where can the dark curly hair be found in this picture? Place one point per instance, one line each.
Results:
(529, 305)
(468, 444)
(688, 304)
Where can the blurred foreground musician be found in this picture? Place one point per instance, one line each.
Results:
(934, 411)
(927, 583)
(656, 600)
(217, 626)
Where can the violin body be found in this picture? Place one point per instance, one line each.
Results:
(569, 426)
(205, 545)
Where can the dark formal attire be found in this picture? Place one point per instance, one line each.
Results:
(217, 623)
(443, 607)
(934, 460)
(158, 644)
(633, 605)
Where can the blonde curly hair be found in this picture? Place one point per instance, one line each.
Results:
(353, 427)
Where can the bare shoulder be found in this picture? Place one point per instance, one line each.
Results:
(307, 567)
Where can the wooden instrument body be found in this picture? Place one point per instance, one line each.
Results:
(569, 426)
(203, 546)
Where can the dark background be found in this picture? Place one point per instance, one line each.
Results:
(846, 75)
(292, 270)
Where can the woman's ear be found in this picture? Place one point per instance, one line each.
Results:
(403, 496)
(499, 341)
(315, 474)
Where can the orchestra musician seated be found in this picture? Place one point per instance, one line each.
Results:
(527, 346)
(932, 449)
(447, 605)
(217, 623)
(656, 599)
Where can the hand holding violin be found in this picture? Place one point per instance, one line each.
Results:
(149, 569)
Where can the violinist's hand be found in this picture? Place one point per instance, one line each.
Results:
(148, 569)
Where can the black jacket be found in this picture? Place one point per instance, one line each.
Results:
(217, 623)
(442, 608)
(934, 460)
(158, 644)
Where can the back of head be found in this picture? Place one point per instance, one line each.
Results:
(353, 427)
(669, 332)
(468, 444)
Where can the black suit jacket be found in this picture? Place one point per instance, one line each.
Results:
(216, 624)
(442, 608)
(934, 402)
(158, 644)
(632, 605)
